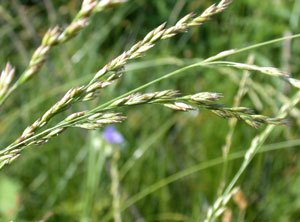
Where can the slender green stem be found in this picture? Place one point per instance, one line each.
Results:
(232, 124)
(255, 147)
(233, 52)
(195, 169)
(140, 151)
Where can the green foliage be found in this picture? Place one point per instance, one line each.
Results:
(171, 165)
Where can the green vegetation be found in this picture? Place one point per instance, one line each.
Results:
(163, 165)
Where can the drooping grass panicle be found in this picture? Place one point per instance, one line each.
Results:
(173, 100)
(55, 36)
(169, 98)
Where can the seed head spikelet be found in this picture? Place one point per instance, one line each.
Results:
(270, 71)
(6, 78)
(103, 4)
(294, 82)
(180, 106)
(265, 70)
(75, 115)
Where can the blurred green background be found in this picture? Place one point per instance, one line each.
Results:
(68, 179)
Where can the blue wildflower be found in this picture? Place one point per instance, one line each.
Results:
(112, 136)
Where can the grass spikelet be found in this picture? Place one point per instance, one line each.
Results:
(6, 77)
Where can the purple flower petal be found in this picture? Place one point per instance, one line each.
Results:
(112, 136)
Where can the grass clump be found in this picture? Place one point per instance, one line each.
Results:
(88, 107)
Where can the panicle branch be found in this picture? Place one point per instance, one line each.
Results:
(54, 36)
(159, 33)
